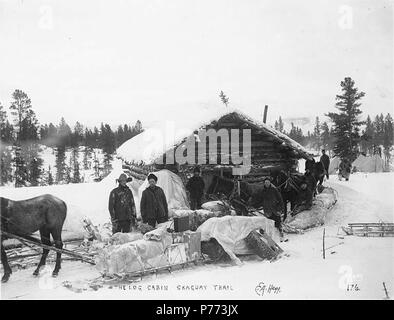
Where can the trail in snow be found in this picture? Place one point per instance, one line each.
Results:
(304, 274)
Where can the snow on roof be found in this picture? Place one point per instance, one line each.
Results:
(151, 144)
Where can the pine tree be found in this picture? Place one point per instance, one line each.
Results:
(138, 127)
(64, 134)
(77, 135)
(35, 171)
(276, 125)
(388, 138)
(119, 136)
(368, 137)
(75, 166)
(346, 122)
(49, 176)
(296, 134)
(317, 134)
(20, 107)
(224, 98)
(52, 138)
(6, 129)
(5, 165)
(280, 124)
(60, 164)
(96, 138)
(20, 168)
(325, 136)
(87, 155)
(107, 139)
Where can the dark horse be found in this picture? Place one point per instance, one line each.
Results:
(289, 183)
(237, 192)
(45, 213)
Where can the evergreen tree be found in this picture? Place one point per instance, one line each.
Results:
(388, 138)
(60, 164)
(224, 98)
(368, 137)
(52, 138)
(44, 133)
(75, 165)
(107, 137)
(5, 165)
(296, 134)
(317, 134)
(77, 136)
(6, 129)
(280, 124)
(20, 168)
(49, 176)
(87, 155)
(35, 171)
(25, 118)
(325, 136)
(346, 122)
(68, 172)
(119, 136)
(138, 127)
(96, 138)
(63, 134)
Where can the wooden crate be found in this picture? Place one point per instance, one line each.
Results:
(263, 245)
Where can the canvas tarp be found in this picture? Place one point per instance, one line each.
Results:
(368, 164)
(173, 188)
(137, 255)
(316, 215)
(231, 231)
(334, 165)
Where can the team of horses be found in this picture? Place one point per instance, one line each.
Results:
(238, 192)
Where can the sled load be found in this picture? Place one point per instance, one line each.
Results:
(372, 163)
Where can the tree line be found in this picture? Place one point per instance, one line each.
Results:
(347, 136)
(22, 136)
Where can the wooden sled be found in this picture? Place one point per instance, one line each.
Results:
(370, 229)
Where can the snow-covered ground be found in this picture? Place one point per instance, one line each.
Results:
(354, 268)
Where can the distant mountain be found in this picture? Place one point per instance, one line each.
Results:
(305, 123)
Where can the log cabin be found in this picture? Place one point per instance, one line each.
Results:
(265, 150)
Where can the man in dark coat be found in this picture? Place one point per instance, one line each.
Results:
(303, 200)
(325, 160)
(154, 208)
(195, 186)
(270, 199)
(121, 207)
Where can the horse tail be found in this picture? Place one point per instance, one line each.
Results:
(65, 207)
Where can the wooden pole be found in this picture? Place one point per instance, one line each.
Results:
(265, 114)
(385, 291)
(64, 251)
(324, 246)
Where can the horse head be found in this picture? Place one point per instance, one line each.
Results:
(319, 170)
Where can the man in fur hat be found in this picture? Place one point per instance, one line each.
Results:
(154, 208)
(195, 186)
(121, 206)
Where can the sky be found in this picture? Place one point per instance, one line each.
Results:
(119, 61)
